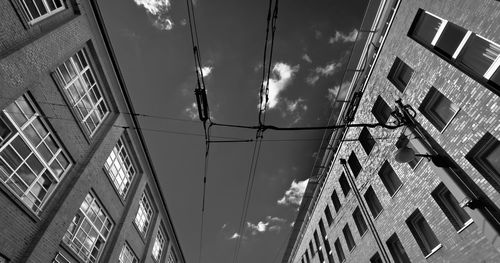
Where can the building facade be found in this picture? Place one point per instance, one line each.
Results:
(433, 66)
(77, 182)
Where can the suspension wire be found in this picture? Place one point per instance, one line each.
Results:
(264, 67)
(264, 127)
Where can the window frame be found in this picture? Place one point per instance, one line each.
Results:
(478, 153)
(359, 221)
(390, 179)
(380, 107)
(450, 206)
(373, 203)
(127, 249)
(424, 239)
(354, 164)
(344, 184)
(162, 242)
(395, 72)
(124, 147)
(349, 239)
(96, 88)
(148, 216)
(366, 140)
(328, 215)
(339, 250)
(47, 140)
(30, 20)
(397, 250)
(337, 205)
(427, 108)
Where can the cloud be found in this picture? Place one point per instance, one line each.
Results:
(339, 36)
(269, 224)
(325, 71)
(205, 71)
(183, 22)
(282, 76)
(306, 58)
(157, 11)
(235, 236)
(191, 111)
(332, 92)
(293, 105)
(293, 196)
(224, 226)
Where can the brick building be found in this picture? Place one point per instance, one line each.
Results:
(441, 59)
(77, 182)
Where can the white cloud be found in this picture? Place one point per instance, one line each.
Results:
(293, 105)
(292, 224)
(275, 219)
(282, 76)
(339, 36)
(191, 111)
(224, 226)
(235, 235)
(183, 22)
(312, 79)
(205, 71)
(332, 92)
(293, 196)
(328, 70)
(270, 223)
(259, 227)
(306, 58)
(157, 11)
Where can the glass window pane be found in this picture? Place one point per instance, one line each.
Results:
(450, 38)
(479, 54)
(426, 27)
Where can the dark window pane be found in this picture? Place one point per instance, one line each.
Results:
(366, 140)
(450, 206)
(348, 237)
(328, 215)
(397, 250)
(344, 184)
(400, 74)
(425, 27)
(422, 232)
(438, 109)
(336, 201)
(478, 55)
(360, 221)
(322, 228)
(340, 252)
(373, 202)
(389, 178)
(354, 164)
(450, 38)
(376, 258)
(485, 157)
(381, 110)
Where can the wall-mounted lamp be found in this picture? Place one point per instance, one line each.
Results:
(472, 203)
(406, 154)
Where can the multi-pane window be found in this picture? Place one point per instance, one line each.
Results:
(366, 140)
(59, 259)
(450, 206)
(373, 202)
(37, 10)
(354, 164)
(471, 53)
(322, 228)
(171, 258)
(397, 250)
(389, 178)
(438, 109)
(360, 221)
(400, 74)
(381, 110)
(376, 258)
(144, 214)
(422, 232)
(89, 230)
(335, 200)
(127, 255)
(348, 237)
(158, 245)
(340, 252)
(328, 215)
(344, 184)
(120, 168)
(83, 91)
(32, 160)
(485, 157)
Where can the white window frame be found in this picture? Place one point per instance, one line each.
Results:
(80, 64)
(31, 19)
(33, 126)
(83, 224)
(120, 173)
(172, 258)
(127, 255)
(144, 214)
(60, 259)
(158, 246)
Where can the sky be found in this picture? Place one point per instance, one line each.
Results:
(152, 42)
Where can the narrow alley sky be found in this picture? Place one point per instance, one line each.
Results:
(152, 42)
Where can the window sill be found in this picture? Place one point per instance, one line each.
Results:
(449, 122)
(381, 211)
(397, 190)
(71, 252)
(21, 205)
(467, 224)
(143, 235)
(434, 250)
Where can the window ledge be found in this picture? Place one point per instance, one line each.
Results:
(449, 122)
(467, 224)
(434, 250)
(397, 190)
(381, 211)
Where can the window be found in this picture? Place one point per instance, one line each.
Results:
(348, 237)
(172, 258)
(335, 200)
(120, 168)
(127, 255)
(322, 228)
(438, 109)
(344, 185)
(366, 140)
(389, 178)
(89, 230)
(307, 257)
(58, 259)
(354, 164)
(340, 252)
(37, 10)
(83, 91)
(376, 258)
(373, 202)
(32, 160)
(485, 157)
(316, 240)
(400, 74)
(360, 221)
(144, 214)
(397, 250)
(328, 215)
(311, 248)
(158, 245)
(450, 206)
(329, 252)
(422, 233)
(381, 110)
(471, 53)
